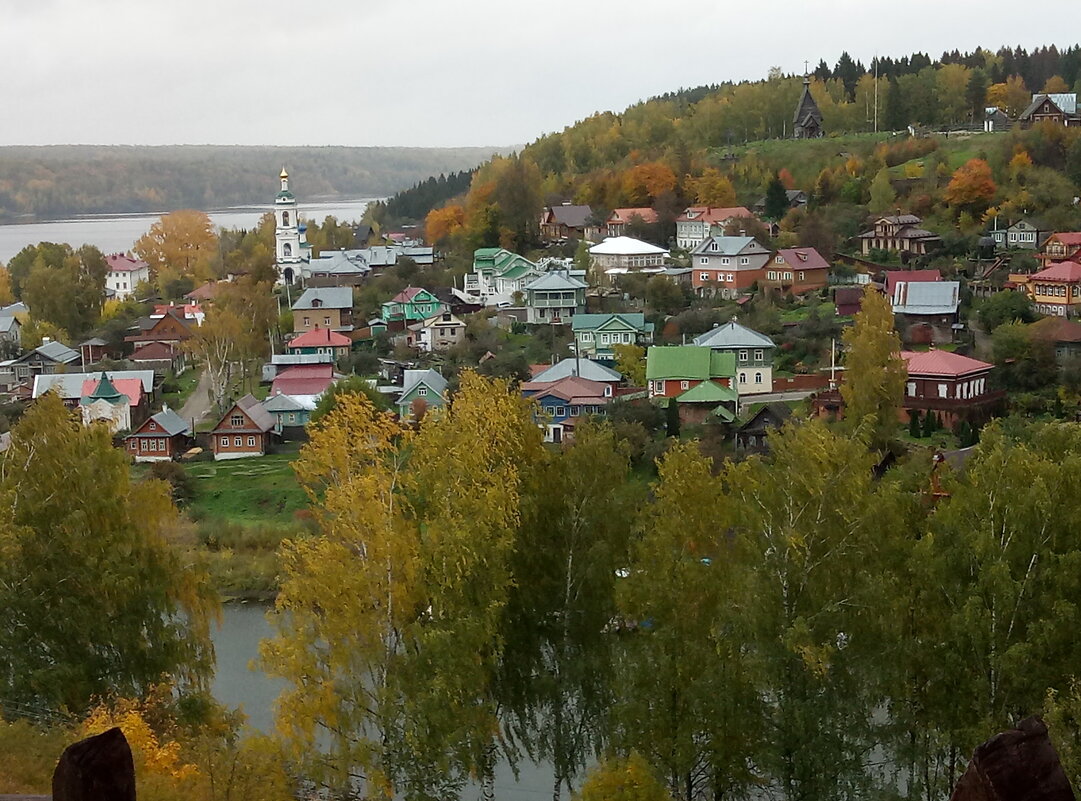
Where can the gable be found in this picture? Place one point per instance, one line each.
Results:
(615, 323)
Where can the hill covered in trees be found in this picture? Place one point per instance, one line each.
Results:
(57, 181)
(722, 144)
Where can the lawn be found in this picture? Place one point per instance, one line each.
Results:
(256, 490)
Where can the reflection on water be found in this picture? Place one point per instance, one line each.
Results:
(117, 233)
(236, 642)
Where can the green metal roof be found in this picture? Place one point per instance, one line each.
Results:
(106, 391)
(688, 362)
(593, 322)
(708, 392)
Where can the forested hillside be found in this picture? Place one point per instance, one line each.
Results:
(51, 182)
(721, 145)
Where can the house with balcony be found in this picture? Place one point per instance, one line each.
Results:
(728, 266)
(899, 232)
(596, 335)
(796, 270)
(751, 351)
(554, 298)
(1055, 290)
(695, 225)
(497, 274)
(324, 307)
(1063, 246)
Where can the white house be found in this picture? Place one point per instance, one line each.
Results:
(618, 255)
(125, 273)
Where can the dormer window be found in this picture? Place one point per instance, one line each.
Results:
(236, 421)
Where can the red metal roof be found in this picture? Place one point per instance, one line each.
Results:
(407, 294)
(132, 387)
(571, 388)
(624, 215)
(320, 337)
(1066, 271)
(1068, 238)
(909, 276)
(308, 371)
(124, 263)
(304, 379)
(803, 258)
(941, 363)
(713, 214)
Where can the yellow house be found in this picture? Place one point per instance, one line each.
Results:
(1054, 291)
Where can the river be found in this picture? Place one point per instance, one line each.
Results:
(116, 233)
(236, 684)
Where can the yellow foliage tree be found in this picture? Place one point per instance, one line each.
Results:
(181, 243)
(644, 182)
(713, 189)
(441, 224)
(971, 186)
(629, 779)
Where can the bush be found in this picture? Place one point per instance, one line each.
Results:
(181, 486)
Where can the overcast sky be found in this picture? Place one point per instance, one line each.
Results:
(433, 72)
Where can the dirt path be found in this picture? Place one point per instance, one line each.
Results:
(198, 403)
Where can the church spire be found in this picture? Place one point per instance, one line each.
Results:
(285, 179)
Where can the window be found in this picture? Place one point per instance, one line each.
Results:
(236, 421)
(307, 321)
(758, 378)
(660, 387)
(704, 260)
(704, 276)
(422, 391)
(743, 378)
(251, 442)
(771, 275)
(910, 389)
(561, 411)
(744, 260)
(287, 249)
(724, 261)
(743, 355)
(326, 321)
(788, 276)
(801, 276)
(574, 411)
(758, 355)
(238, 442)
(285, 218)
(224, 442)
(684, 384)
(943, 391)
(731, 277)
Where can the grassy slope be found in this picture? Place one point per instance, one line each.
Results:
(258, 490)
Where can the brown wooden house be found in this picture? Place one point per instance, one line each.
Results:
(161, 437)
(244, 430)
(169, 329)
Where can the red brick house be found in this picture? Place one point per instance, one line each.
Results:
(161, 437)
(244, 430)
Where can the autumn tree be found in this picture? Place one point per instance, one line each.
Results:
(1011, 96)
(629, 779)
(217, 344)
(883, 195)
(180, 244)
(556, 668)
(712, 188)
(682, 681)
(96, 602)
(875, 374)
(441, 224)
(811, 526)
(971, 188)
(644, 183)
(631, 362)
(1055, 85)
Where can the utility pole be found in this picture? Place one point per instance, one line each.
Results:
(876, 93)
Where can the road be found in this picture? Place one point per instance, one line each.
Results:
(198, 403)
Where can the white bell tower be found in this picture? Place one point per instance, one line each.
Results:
(289, 245)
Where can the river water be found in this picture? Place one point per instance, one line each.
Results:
(116, 233)
(237, 684)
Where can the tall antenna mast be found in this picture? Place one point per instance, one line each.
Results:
(876, 92)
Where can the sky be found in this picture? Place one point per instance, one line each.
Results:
(433, 73)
